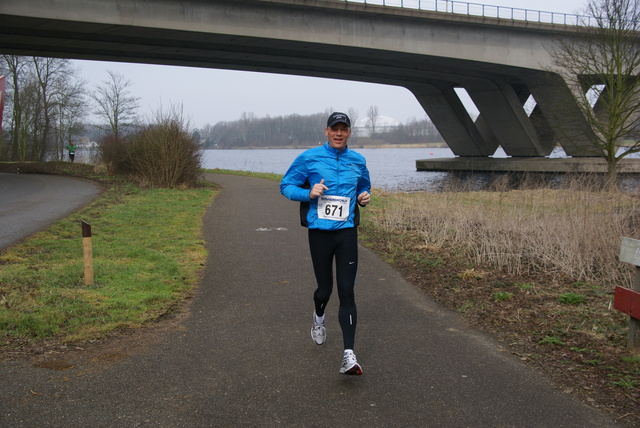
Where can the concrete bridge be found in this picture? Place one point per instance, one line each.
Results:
(500, 62)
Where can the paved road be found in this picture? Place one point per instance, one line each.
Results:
(244, 356)
(30, 202)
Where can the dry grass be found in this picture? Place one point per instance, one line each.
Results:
(561, 231)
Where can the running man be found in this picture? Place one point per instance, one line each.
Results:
(331, 182)
(72, 150)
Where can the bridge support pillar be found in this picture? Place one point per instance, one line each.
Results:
(558, 105)
(444, 108)
(545, 133)
(502, 108)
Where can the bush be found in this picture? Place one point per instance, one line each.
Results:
(112, 153)
(161, 154)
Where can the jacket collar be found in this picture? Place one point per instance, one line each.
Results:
(335, 152)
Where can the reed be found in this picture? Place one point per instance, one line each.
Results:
(574, 230)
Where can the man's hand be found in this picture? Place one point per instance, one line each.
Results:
(364, 198)
(317, 190)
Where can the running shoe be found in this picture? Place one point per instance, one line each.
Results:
(318, 332)
(350, 365)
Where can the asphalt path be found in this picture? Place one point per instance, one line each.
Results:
(243, 355)
(31, 202)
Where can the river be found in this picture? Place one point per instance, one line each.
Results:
(390, 169)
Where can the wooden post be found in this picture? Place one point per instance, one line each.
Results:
(88, 253)
(628, 300)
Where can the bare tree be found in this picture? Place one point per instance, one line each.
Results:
(353, 116)
(115, 104)
(372, 119)
(15, 66)
(38, 94)
(71, 111)
(601, 65)
(53, 77)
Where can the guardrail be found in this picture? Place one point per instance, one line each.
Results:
(484, 10)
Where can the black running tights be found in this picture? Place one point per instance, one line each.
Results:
(342, 246)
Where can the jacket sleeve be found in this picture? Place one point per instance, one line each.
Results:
(293, 180)
(364, 182)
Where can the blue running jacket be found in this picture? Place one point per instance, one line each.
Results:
(345, 173)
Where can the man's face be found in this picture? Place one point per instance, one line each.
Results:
(338, 135)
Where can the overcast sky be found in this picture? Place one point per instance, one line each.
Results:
(210, 96)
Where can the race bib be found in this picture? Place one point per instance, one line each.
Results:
(333, 207)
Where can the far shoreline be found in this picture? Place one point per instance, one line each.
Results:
(441, 145)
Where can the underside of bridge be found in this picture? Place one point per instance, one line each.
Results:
(429, 53)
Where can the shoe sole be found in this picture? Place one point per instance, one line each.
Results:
(353, 371)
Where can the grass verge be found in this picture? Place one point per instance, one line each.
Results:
(265, 175)
(147, 254)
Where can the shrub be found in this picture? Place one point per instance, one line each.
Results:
(112, 152)
(165, 155)
(160, 154)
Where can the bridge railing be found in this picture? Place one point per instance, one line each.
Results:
(484, 10)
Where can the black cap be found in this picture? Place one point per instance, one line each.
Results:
(337, 117)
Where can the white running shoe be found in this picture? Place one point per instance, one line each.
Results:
(350, 365)
(318, 332)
